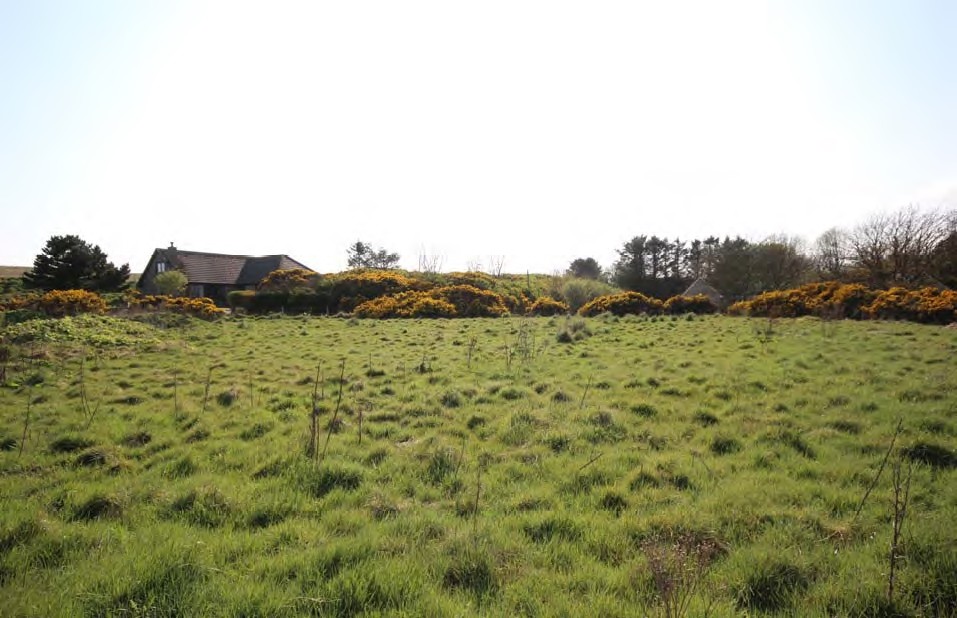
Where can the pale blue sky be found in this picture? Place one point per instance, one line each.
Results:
(537, 131)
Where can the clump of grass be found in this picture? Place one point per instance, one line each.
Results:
(323, 481)
(381, 507)
(705, 419)
(228, 397)
(471, 568)
(203, 506)
(442, 464)
(558, 442)
(793, 440)
(645, 410)
(844, 426)
(180, 468)
(723, 445)
(573, 329)
(933, 455)
(451, 399)
(613, 501)
(553, 527)
(376, 456)
(511, 393)
(266, 515)
(198, 435)
(771, 585)
(92, 457)
(475, 421)
(560, 396)
(98, 506)
(256, 431)
(137, 439)
(643, 480)
(70, 443)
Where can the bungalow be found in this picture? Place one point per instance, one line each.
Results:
(213, 275)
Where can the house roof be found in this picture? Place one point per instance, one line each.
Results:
(220, 268)
(700, 286)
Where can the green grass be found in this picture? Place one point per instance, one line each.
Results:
(560, 477)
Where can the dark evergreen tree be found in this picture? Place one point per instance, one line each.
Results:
(586, 268)
(70, 263)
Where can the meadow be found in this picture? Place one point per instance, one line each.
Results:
(293, 466)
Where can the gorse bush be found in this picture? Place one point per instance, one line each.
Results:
(289, 280)
(446, 302)
(836, 300)
(622, 304)
(59, 303)
(547, 306)
(202, 307)
(700, 304)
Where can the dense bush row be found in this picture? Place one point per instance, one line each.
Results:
(627, 303)
(837, 300)
(306, 292)
(61, 303)
(464, 301)
(203, 308)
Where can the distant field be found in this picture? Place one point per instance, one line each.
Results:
(476, 467)
(13, 271)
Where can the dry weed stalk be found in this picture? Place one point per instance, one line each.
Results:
(335, 415)
(877, 477)
(901, 499)
(678, 567)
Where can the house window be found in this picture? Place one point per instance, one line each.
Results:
(161, 267)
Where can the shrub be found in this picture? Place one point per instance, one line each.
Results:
(350, 289)
(928, 305)
(472, 302)
(289, 280)
(59, 303)
(171, 282)
(203, 307)
(445, 302)
(577, 292)
(621, 304)
(699, 304)
(547, 306)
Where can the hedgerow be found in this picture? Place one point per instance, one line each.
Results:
(621, 304)
(448, 301)
(700, 303)
(832, 299)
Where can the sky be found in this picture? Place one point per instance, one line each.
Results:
(526, 132)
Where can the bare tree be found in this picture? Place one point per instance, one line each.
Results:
(831, 254)
(495, 265)
(430, 263)
(898, 248)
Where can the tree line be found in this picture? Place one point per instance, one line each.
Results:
(908, 247)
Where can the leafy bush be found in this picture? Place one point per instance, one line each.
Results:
(350, 289)
(621, 304)
(547, 306)
(203, 307)
(59, 303)
(289, 280)
(928, 305)
(445, 302)
(677, 305)
(576, 291)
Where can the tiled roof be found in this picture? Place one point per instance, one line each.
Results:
(219, 268)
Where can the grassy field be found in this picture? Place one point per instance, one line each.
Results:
(508, 467)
